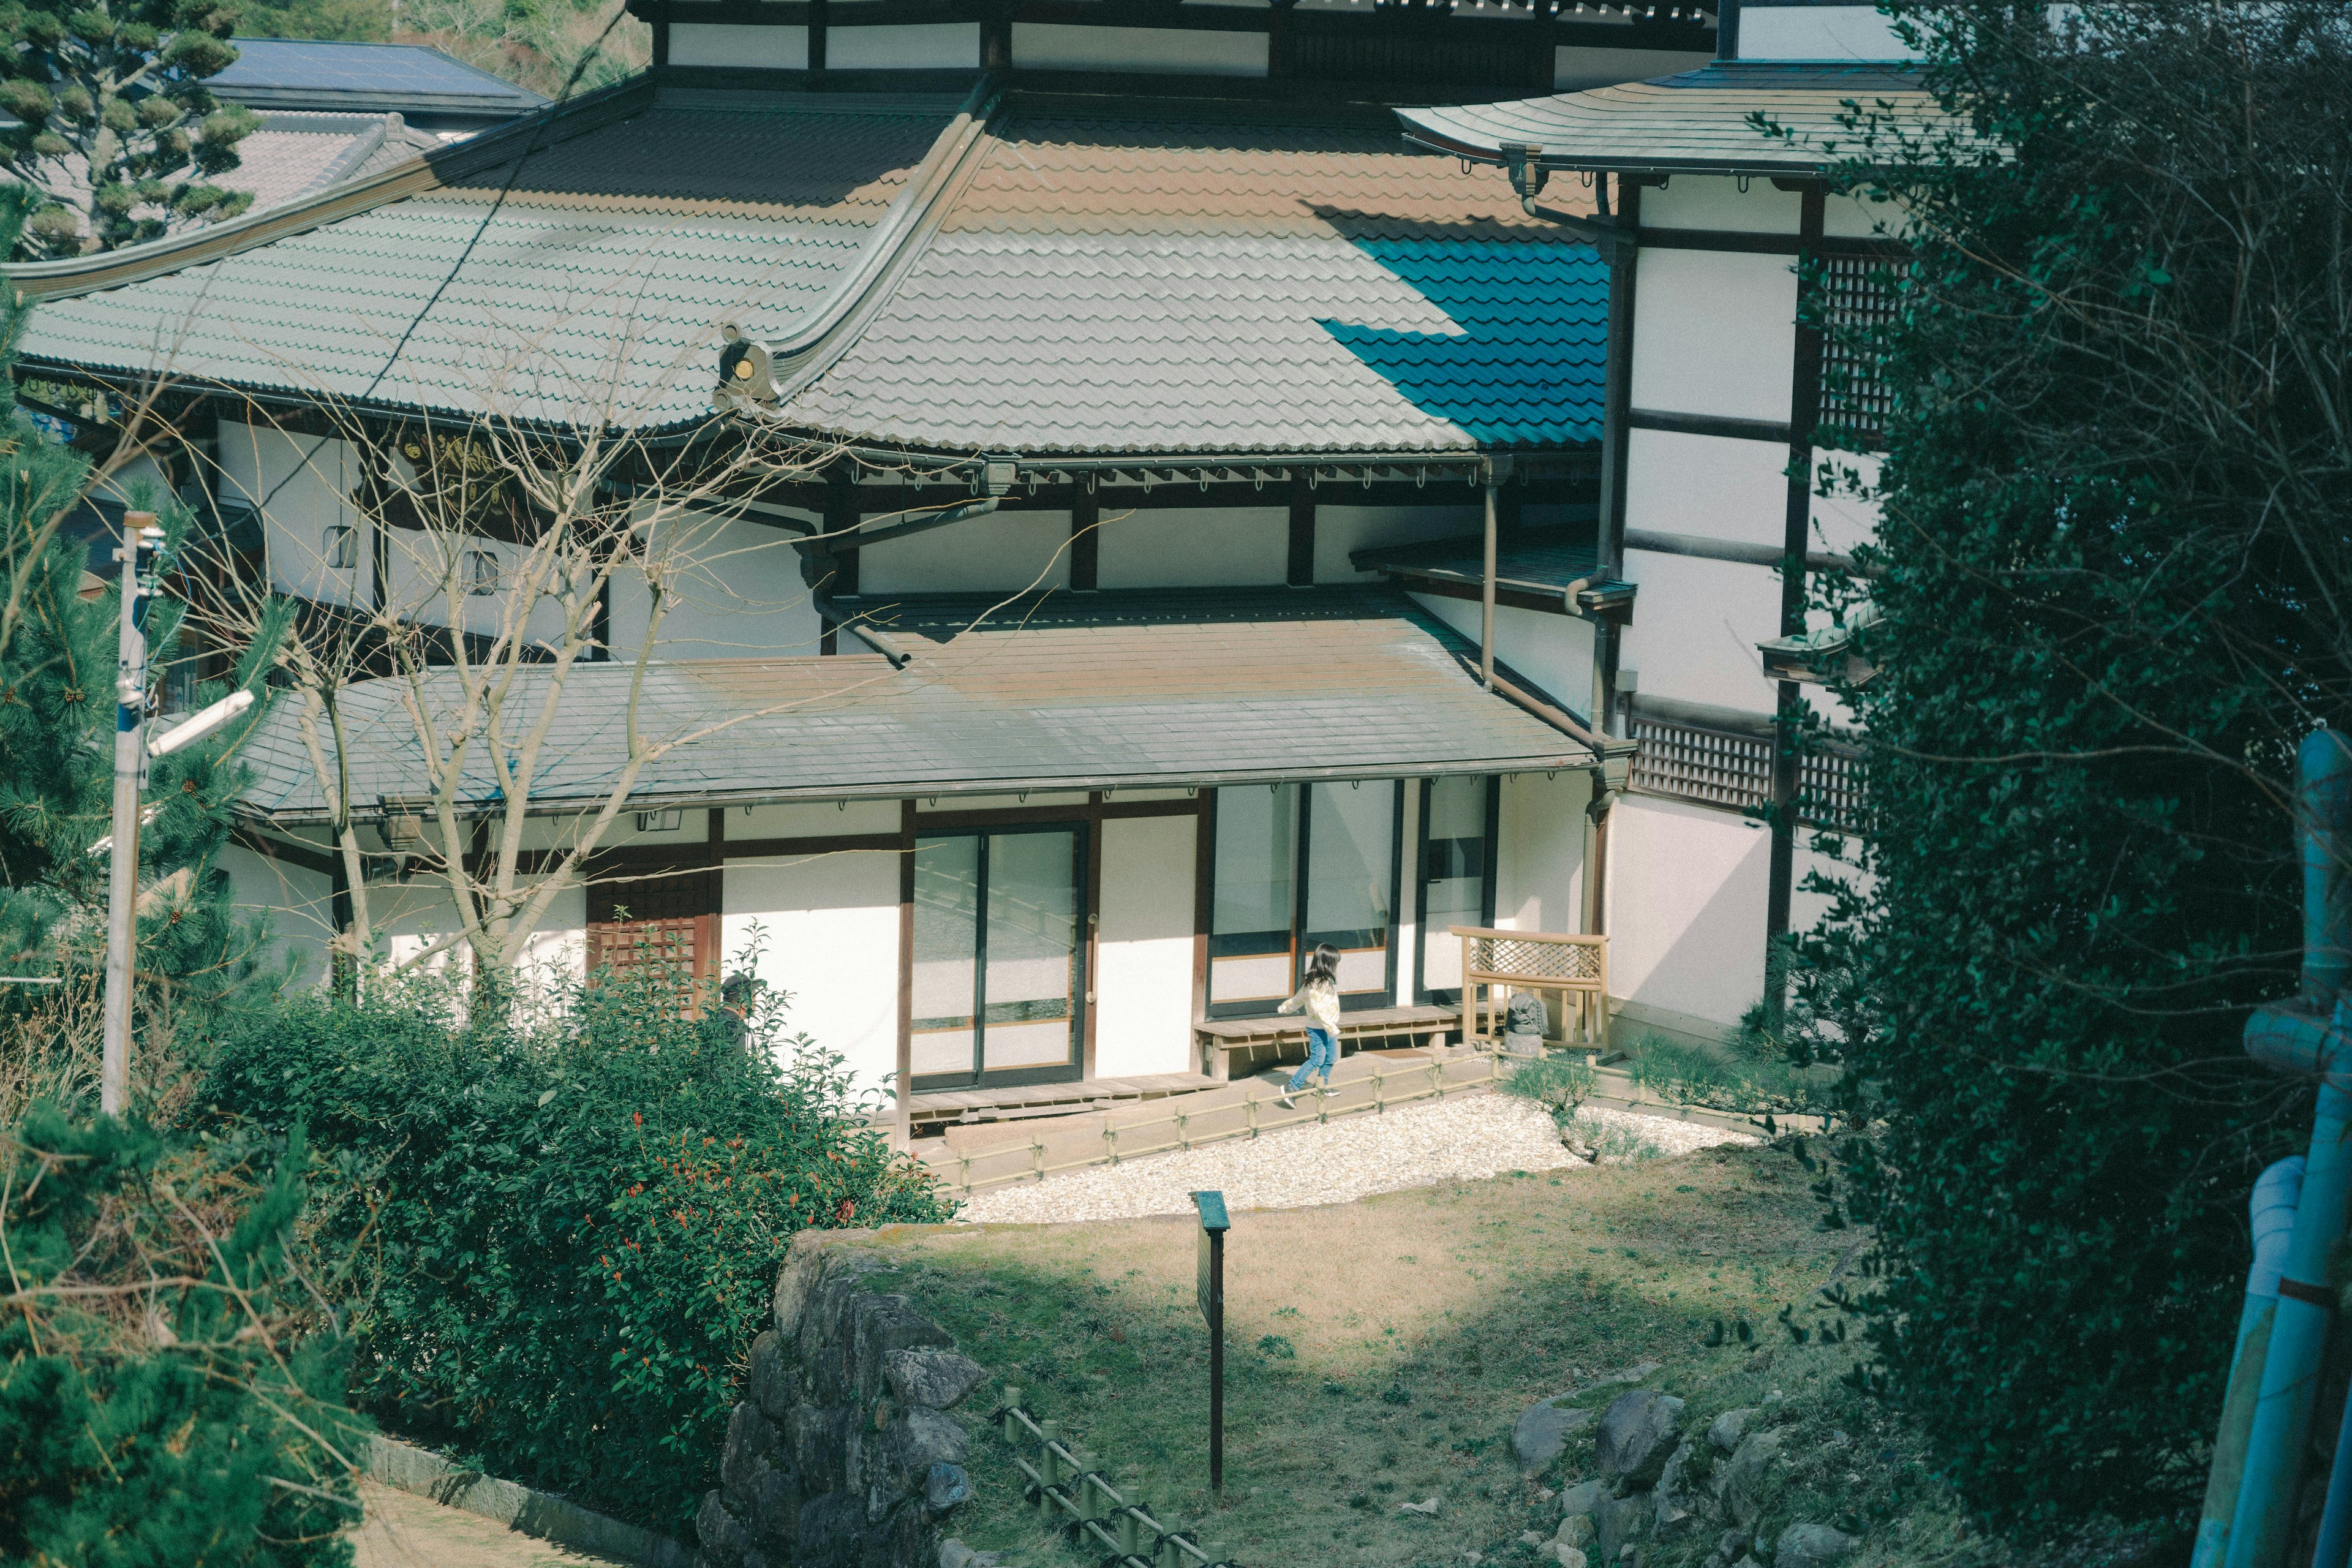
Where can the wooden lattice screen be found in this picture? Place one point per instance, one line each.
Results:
(671, 920)
(1573, 967)
(1715, 767)
(1854, 302)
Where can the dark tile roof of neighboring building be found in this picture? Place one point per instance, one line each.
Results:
(1700, 121)
(1045, 276)
(374, 78)
(295, 155)
(1183, 688)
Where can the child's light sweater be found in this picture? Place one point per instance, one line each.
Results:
(1321, 1003)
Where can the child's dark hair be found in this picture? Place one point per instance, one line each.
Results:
(1323, 967)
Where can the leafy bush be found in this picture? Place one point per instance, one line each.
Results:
(1558, 1083)
(574, 1215)
(168, 1394)
(1687, 1074)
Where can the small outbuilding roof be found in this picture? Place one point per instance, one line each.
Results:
(368, 79)
(1185, 687)
(1700, 121)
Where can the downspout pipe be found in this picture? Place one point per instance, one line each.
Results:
(2275, 1196)
(2311, 1035)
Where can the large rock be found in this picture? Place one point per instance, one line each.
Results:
(750, 1436)
(1638, 1432)
(1811, 1546)
(1683, 1502)
(1576, 1530)
(771, 1386)
(936, 1378)
(1619, 1522)
(1742, 1484)
(1543, 1430)
(1726, 1430)
(724, 1541)
(1584, 1497)
(946, 1486)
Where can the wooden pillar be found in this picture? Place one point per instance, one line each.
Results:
(1804, 413)
(1302, 532)
(817, 18)
(906, 971)
(1086, 537)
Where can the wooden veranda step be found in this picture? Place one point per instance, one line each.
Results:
(931, 1109)
(1226, 1043)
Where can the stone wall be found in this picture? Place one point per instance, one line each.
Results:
(843, 1455)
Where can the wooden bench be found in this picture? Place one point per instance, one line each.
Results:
(1282, 1036)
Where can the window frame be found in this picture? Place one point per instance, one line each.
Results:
(1300, 892)
(1490, 861)
(1080, 829)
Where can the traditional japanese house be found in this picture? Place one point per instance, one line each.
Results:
(1240, 393)
(1727, 404)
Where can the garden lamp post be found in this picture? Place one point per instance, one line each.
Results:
(142, 539)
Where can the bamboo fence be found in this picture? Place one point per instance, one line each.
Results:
(1068, 1489)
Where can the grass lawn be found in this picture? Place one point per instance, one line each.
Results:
(1379, 1351)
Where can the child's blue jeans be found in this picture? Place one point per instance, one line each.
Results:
(1322, 1050)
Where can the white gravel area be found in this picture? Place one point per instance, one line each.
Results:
(1462, 1137)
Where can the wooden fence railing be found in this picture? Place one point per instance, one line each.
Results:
(1254, 1109)
(1068, 1489)
(1574, 967)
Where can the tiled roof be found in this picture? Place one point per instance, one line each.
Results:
(1696, 121)
(1125, 284)
(293, 155)
(1200, 688)
(592, 291)
(318, 73)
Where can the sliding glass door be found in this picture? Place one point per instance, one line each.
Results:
(998, 962)
(1457, 875)
(1295, 865)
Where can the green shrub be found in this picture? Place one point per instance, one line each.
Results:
(1688, 1075)
(574, 1218)
(168, 1394)
(1559, 1083)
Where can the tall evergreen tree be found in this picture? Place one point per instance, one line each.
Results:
(2117, 501)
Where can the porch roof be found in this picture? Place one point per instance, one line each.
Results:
(1149, 688)
(1699, 122)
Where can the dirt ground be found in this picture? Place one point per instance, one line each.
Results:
(403, 1531)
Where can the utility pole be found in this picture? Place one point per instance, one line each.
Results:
(140, 538)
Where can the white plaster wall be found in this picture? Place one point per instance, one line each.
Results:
(831, 925)
(1717, 202)
(1714, 332)
(1002, 552)
(1189, 51)
(1143, 977)
(302, 486)
(1573, 69)
(1860, 218)
(1696, 628)
(1203, 547)
(926, 45)
(1711, 486)
(1539, 860)
(1806, 908)
(1818, 32)
(138, 483)
(1555, 652)
(1687, 887)
(1408, 913)
(739, 44)
(738, 594)
(1339, 529)
(298, 905)
(816, 820)
(1842, 520)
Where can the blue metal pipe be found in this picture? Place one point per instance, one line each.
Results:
(2307, 1035)
(2272, 1206)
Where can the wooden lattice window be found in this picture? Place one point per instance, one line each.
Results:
(671, 920)
(1854, 303)
(1717, 767)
